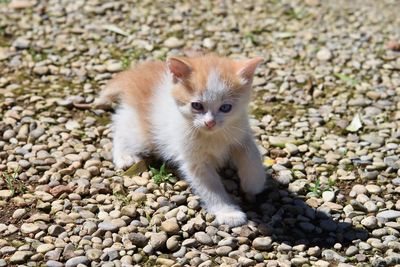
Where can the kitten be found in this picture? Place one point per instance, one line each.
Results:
(191, 111)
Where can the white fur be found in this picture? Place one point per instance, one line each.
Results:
(179, 135)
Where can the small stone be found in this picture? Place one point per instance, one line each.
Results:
(129, 211)
(324, 54)
(21, 43)
(370, 222)
(73, 262)
(21, 4)
(172, 243)
(5, 194)
(53, 263)
(245, 262)
(43, 248)
(170, 226)
(158, 240)
(108, 226)
(208, 43)
(94, 254)
(173, 42)
(388, 215)
(262, 243)
(203, 238)
(328, 196)
(28, 228)
(223, 250)
(284, 177)
(55, 230)
(373, 189)
(351, 251)
(20, 257)
(138, 239)
(114, 66)
(60, 189)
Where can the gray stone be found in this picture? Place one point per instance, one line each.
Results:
(158, 240)
(262, 243)
(324, 54)
(388, 215)
(20, 257)
(203, 238)
(53, 263)
(73, 262)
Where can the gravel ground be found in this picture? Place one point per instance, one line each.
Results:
(326, 113)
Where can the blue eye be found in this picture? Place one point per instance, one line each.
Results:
(225, 108)
(197, 106)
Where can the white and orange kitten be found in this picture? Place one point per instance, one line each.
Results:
(191, 111)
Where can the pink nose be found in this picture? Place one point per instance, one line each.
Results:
(210, 124)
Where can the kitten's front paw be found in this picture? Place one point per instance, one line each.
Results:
(124, 161)
(231, 217)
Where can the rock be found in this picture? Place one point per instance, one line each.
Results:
(373, 138)
(20, 257)
(138, 239)
(129, 211)
(114, 66)
(28, 228)
(203, 238)
(21, 43)
(373, 189)
(298, 186)
(173, 42)
(388, 215)
(75, 261)
(108, 226)
(21, 4)
(43, 248)
(170, 226)
(331, 255)
(328, 196)
(53, 263)
(324, 54)
(209, 43)
(262, 243)
(370, 222)
(284, 177)
(172, 243)
(5, 194)
(245, 262)
(158, 240)
(55, 230)
(60, 189)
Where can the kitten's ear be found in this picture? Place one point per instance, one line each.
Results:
(246, 68)
(179, 68)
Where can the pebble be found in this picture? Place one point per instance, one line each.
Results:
(388, 215)
(262, 243)
(203, 238)
(170, 226)
(75, 261)
(324, 54)
(173, 42)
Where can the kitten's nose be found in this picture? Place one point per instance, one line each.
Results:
(210, 124)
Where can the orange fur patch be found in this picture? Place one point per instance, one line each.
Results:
(201, 66)
(136, 86)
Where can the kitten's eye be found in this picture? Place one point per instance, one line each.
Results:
(225, 108)
(197, 106)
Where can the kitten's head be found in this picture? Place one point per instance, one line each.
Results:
(212, 92)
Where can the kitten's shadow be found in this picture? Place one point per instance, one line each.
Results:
(287, 218)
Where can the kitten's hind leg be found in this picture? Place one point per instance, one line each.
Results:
(129, 140)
